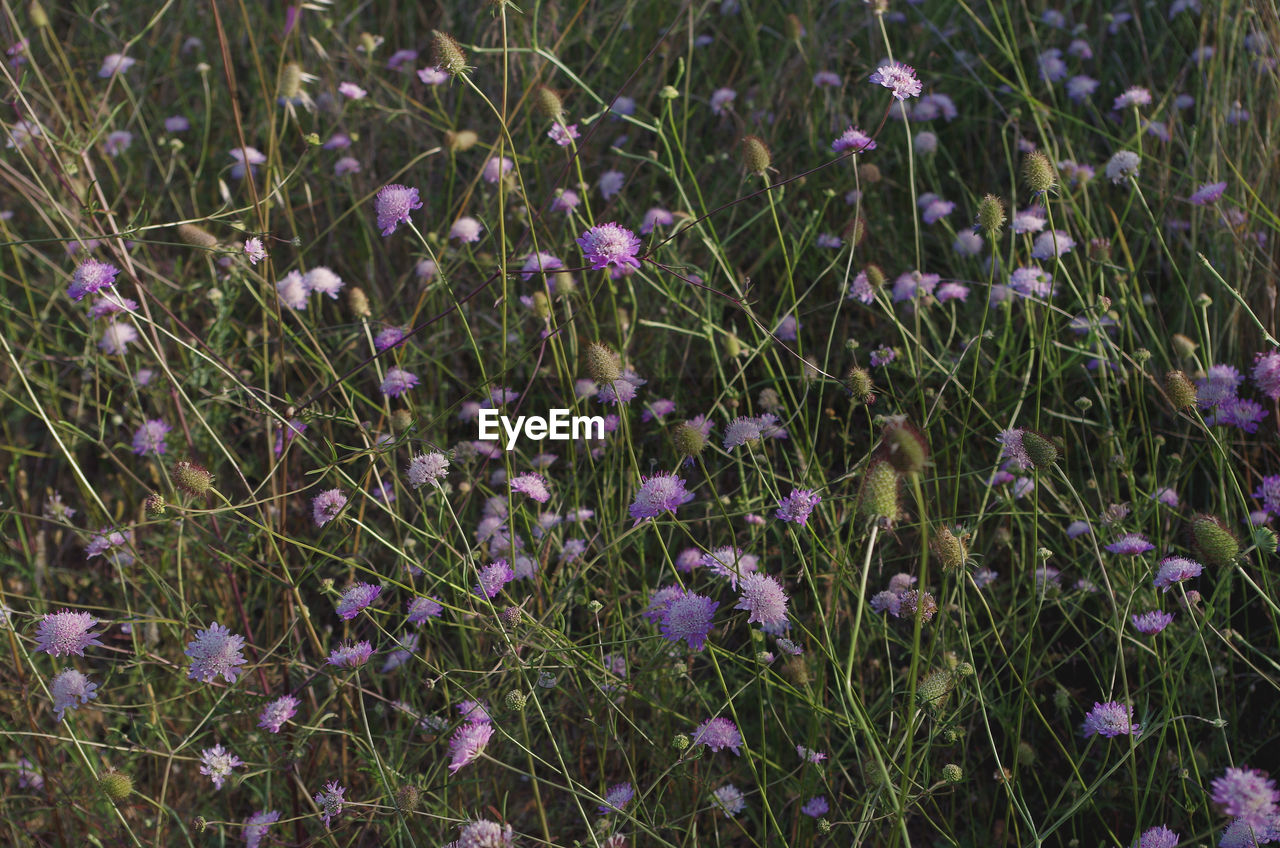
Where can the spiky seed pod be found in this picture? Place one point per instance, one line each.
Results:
(950, 549)
(934, 689)
(407, 797)
(1181, 390)
(914, 599)
(359, 302)
(756, 157)
(290, 81)
(875, 277)
(603, 364)
(192, 478)
(689, 441)
(1040, 448)
(116, 785)
(1183, 346)
(548, 103)
(155, 504)
(855, 231)
(516, 700)
(1038, 171)
(796, 670)
(461, 140)
(448, 53)
(991, 214)
(564, 283)
(196, 236)
(952, 773)
(907, 450)
(858, 381)
(878, 498)
(1215, 542)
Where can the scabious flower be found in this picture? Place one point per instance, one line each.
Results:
(1122, 165)
(533, 485)
(717, 734)
(427, 468)
(563, 134)
(729, 800)
(247, 159)
(254, 250)
(28, 777)
(70, 689)
(493, 577)
(654, 218)
(257, 825)
(1158, 837)
(330, 800)
(721, 100)
(216, 763)
(484, 834)
(351, 91)
(659, 493)
(495, 168)
(66, 632)
(1266, 373)
(420, 609)
(899, 78)
(115, 63)
(216, 651)
(539, 263)
(688, 617)
(1110, 719)
(883, 355)
(1131, 544)
(763, 597)
(611, 246)
(855, 140)
(566, 200)
(1247, 794)
(91, 276)
(291, 289)
(1175, 569)
(816, 807)
(434, 75)
(326, 506)
(1151, 622)
(351, 655)
(1052, 244)
(617, 798)
(466, 230)
(797, 506)
(356, 598)
(1133, 96)
(149, 438)
(1208, 193)
(1242, 413)
(741, 431)
(397, 381)
(468, 743)
(323, 280)
(276, 713)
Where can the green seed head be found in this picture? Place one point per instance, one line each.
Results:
(858, 381)
(516, 700)
(118, 786)
(548, 103)
(756, 157)
(1040, 448)
(934, 689)
(990, 214)
(1216, 543)
(950, 549)
(448, 53)
(878, 499)
(603, 364)
(192, 478)
(689, 440)
(952, 773)
(1038, 171)
(1181, 390)
(907, 450)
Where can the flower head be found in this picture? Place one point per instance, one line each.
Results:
(729, 800)
(855, 140)
(1122, 165)
(326, 506)
(91, 276)
(1158, 837)
(1208, 193)
(330, 800)
(618, 796)
(1151, 622)
(816, 807)
(495, 168)
(393, 204)
(254, 250)
(717, 734)
(1248, 794)
(533, 485)
(764, 598)
(688, 617)
(149, 438)
(216, 763)
(466, 230)
(1133, 96)
(70, 689)
(257, 825)
(66, 632)
(397, 381)
(493, 577)
(899, 78)
(351, 655)
(355, 598)
(468, 743)
(427, 468)
(797, 506)
(1131, 544)
(658, 494)
(1266, 373)
(484, 834)
(321, 279)
(115, 63)
(610, 246)
(1175, 569)
(216, 651)
(276, 713)
(1110, 719)
(420, 609)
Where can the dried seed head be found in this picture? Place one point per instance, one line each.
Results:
(401, 420)
(461, 140)
(192, 478)
(991, 214)
(407, 797)
(290, 81)
(1181, 390)
(1038, 171)
(907, 450)
(950, 549)
(875, 277)
(359, 302)
(548, 103)
(869, 172)
(689, 440)
(1215, 542)
(196, 236)
(448, 53)
(878, 498)
(603, 364)
(1183, 346)
(116, 785)
(756, 158)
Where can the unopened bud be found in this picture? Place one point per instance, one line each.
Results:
(991, 214)
(1216, 543)
(603, 364)
(907, 449)
(756, 157)
(461, 140)
(196, 236)
(1038, 171)
(448, 53)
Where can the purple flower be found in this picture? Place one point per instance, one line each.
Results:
(257, 825)
(397, 382)
(617, 798)
(1131, 544)
(882, 355)
(730, 563)
(484, 834)
(351, 655)
(1158, 837)
(1133, 96)
(1122, 165)
(717, 734)
(721, 98)
(330, 801)
(1175, 569)
(658, 494)
(351, 91)
(322, 280)
(660, 600)
(393, 203)
(539, 263)
(566, 200)
(826, 79)
(326, 506)
(1248, 794)
(254, 250)
(797, 506)
(816, 807)
(474, 711)
(1208, 193)
(563, 134)
(1110, 719)
(1151, 622)
(1266, 373)
(855, 140)
(276, 713)
(387, 338)
(729, 800)
(434, 75)
(466, 230)
(216, 763)
(900, 78)
(427, 468)
(91, 276)
(400, 58)
(611, 246)
(356, 598)
(688, 617)
(66, 632)
(764, 598)
(493, 577)
(1051, 244)
(420, 609)
(70, 689)
(936, 210)
(1242, 413)
(533, 485)
(216, 651)
(1218, 385)
(468, 743)
(149, 438)
(654, 218)
(495, 168)
(115, 63)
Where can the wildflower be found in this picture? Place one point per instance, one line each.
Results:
(717, 734)
(1122, 165)
(660, 493)
(1110, 719)
(797, 506)
(899, 78)
(330, 800)
(484, 834)
(91, 276)
(1175, 569)
(1131, 544)
(654, 218)
(722, 100)
(1052, 244)
(1266, 373)
(809, 755)
(1242, 413)
(936, 210)
(393, 204)
(149, 438)
(1218, 385)
(115, 63)
(493, 577)
(1247, 794)
(276, 713)
(292, 290)
(952, 291)
(466, 230)
(117, 142)
(816, 807)
(764, 598)
(434, 75)
(254, 250)
(28, 777)
(730, 563)
(829, 241)
(216, 763)
(356, 598)
(321, 279)
(397, 381)
(70, 689)
(566, 200)
(66, 632)
(247, 159)
(1208, 193)
(617, 798)
(729, 800)
(350, 655)
(468, 743)
(427, 468)
(1133, 96)
(494, 168)
(539, 263)
(914, 601)
(1239, 834)
(563, 134)
(257, 825)
(855, 140)
(1052, 67)
(351, 91)
(533, 485)
(883, 355)
(420, 609)
(216, 651)
(326, 506)
(688, 617)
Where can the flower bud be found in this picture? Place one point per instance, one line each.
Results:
(1038, 171)
(155, 504)
(952, 773)
(448, 53)
(1183, 346)
(680, 742)
(192, 478)
(1216, 543)
(858, 382)
(359, 302)
(991, 214)
(603, 364)
(1040, 448)
(516, 700)
(548, 103)
(1181, 390)
(196, 236)
(869, 172)
(756, 158)
(950, 549)
(461, 140)
(38, 16)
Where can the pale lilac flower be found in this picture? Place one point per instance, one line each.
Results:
(494, 168)
(1266, 373)
(883, 355)
(951, 291)
(617, 798)
(937, 210)
(292, 290)
(216, 763)
(1131, 544)
(563, 134)
(721, 99)
(420, 609)
(688, 617)
(66, 632)
(254, 250)
(330, 800)
(1175, 569)
(466, 230)
(899, 78)
(717, 734)
(276, 713)
(1237, 114)
(115, 63)
(610, 183)
(810, 756)
(566, 200)
(400, 58)
(829, 241)
(70, 689)
(925, 143)
(1238, 412)
(346, 165)
(28, 777)
(539, 263)
(533, 485)
(337, 141)
(493, 577)
(293, 428)
(393, 204)
(355, 598)
(826, 79)
(1151, 622)
(654, 218)
(1122, 165)
(816, 807)
(855, 140)
(797, 506)
(351, 91)
(1029, 220)
(117, 142)
(216, 651)
(350, 655)
(763, 597)
(251, 157)
(1030, 281)
(112, 545)
(860, 288)
(397, 381)
(1080, 88)
(149, 438)
(428, 468)
(257, 825)
(660, 493)
(468, 743)
(1167, 496)
(1052, 67)
(433, 75)
(741, 431)
(91, 276)
(1247, 794)
(729, 800)
(1217, 386)
(1110, 719)
(326, 506)
(1133, 96)
(1052, 244)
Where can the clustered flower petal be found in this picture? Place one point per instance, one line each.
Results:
(717, 734)
(66, 632)
(611, 246)
(356, 598)
(1110, 719)
(216, 651)
(276, 713)
(393, 204)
